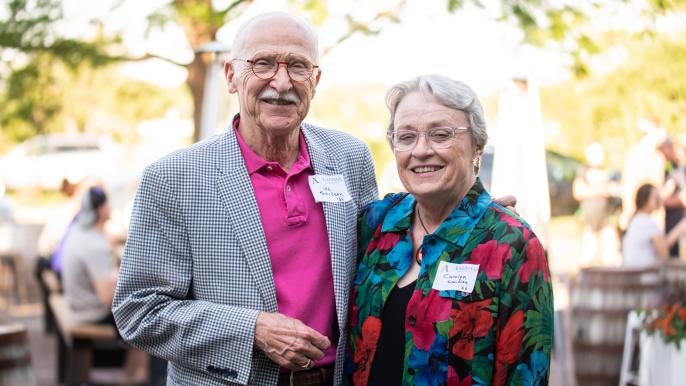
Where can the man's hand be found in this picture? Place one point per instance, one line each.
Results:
(289, 342)
(508, 202)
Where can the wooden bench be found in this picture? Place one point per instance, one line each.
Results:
(48, 283)
(77, 342)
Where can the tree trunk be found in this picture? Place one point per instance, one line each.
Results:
(200, 24)
(196, 82)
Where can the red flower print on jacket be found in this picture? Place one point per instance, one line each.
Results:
(490, 256)
(508, 346)
(471, 321)
(366, 346)
(535, 261)
(387, 241)
(454, 380)
(509, 220)
(353, 314)
(423, 313)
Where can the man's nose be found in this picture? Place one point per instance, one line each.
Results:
(281, 80)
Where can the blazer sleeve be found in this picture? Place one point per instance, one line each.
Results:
(369, 191)
(153, 308)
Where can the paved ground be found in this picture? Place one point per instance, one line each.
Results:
(43, 347)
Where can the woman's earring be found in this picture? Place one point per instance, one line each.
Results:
(477, 163)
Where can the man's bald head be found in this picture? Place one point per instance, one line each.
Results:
(267, 21)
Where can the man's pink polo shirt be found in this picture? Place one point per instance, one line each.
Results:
(295, 229)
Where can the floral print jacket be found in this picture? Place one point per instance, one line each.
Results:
(499, 334)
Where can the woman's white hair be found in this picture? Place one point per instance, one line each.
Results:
(451, 93)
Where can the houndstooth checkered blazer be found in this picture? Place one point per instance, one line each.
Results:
(196, 271)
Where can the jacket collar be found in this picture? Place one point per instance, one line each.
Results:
(457, 226)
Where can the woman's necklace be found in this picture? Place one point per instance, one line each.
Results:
(419, 254)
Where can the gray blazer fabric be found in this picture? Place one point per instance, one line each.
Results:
(196, 270)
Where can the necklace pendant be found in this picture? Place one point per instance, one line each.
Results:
(418, 256)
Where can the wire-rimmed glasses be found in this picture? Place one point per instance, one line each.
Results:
(438, 137)
(299, 69)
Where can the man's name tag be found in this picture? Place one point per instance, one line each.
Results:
(329, 188)
(455, 277)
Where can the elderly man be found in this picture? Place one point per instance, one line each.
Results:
(241, 248)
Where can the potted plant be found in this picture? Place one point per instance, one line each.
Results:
(663, 340)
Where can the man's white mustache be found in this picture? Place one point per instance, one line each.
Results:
(289, 96)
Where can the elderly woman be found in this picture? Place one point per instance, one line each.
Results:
(451, 288)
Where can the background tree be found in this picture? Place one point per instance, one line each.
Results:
(28, 27)
(48, 81)
(648, 82)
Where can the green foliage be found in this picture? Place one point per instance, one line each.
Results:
(649, 82)
(315, 9)
(29, 26)
(563, 25)
(38, 88)
(54, 83)
(663, 6)
(32, 100)
(454, 5)
(27, 23)
(47, 96)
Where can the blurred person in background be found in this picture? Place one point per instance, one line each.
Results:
(672, 193)
(451, 288)
(7, 222)
(89, 272)
(58, 224)
(6, 207)
(644, 243)
(643, 163)
(597, 194)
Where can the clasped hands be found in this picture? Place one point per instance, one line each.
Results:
(289, 342)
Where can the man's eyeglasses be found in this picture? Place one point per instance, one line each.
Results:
(439, 137)
(299, 70)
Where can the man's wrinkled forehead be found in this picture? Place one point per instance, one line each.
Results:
(253, 34)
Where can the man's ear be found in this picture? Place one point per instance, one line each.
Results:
(230, 73)
(316, 81)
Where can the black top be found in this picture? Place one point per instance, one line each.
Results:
(673, 215)
(388, 364)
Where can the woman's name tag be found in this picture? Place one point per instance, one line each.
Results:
(329, 188)
(455, 277)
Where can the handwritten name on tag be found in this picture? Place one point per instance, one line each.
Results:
(329, 188)
(455, 277)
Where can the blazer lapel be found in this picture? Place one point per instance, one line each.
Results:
(335, 213)
(236, 192)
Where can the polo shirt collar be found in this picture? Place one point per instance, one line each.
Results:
(254, 162)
